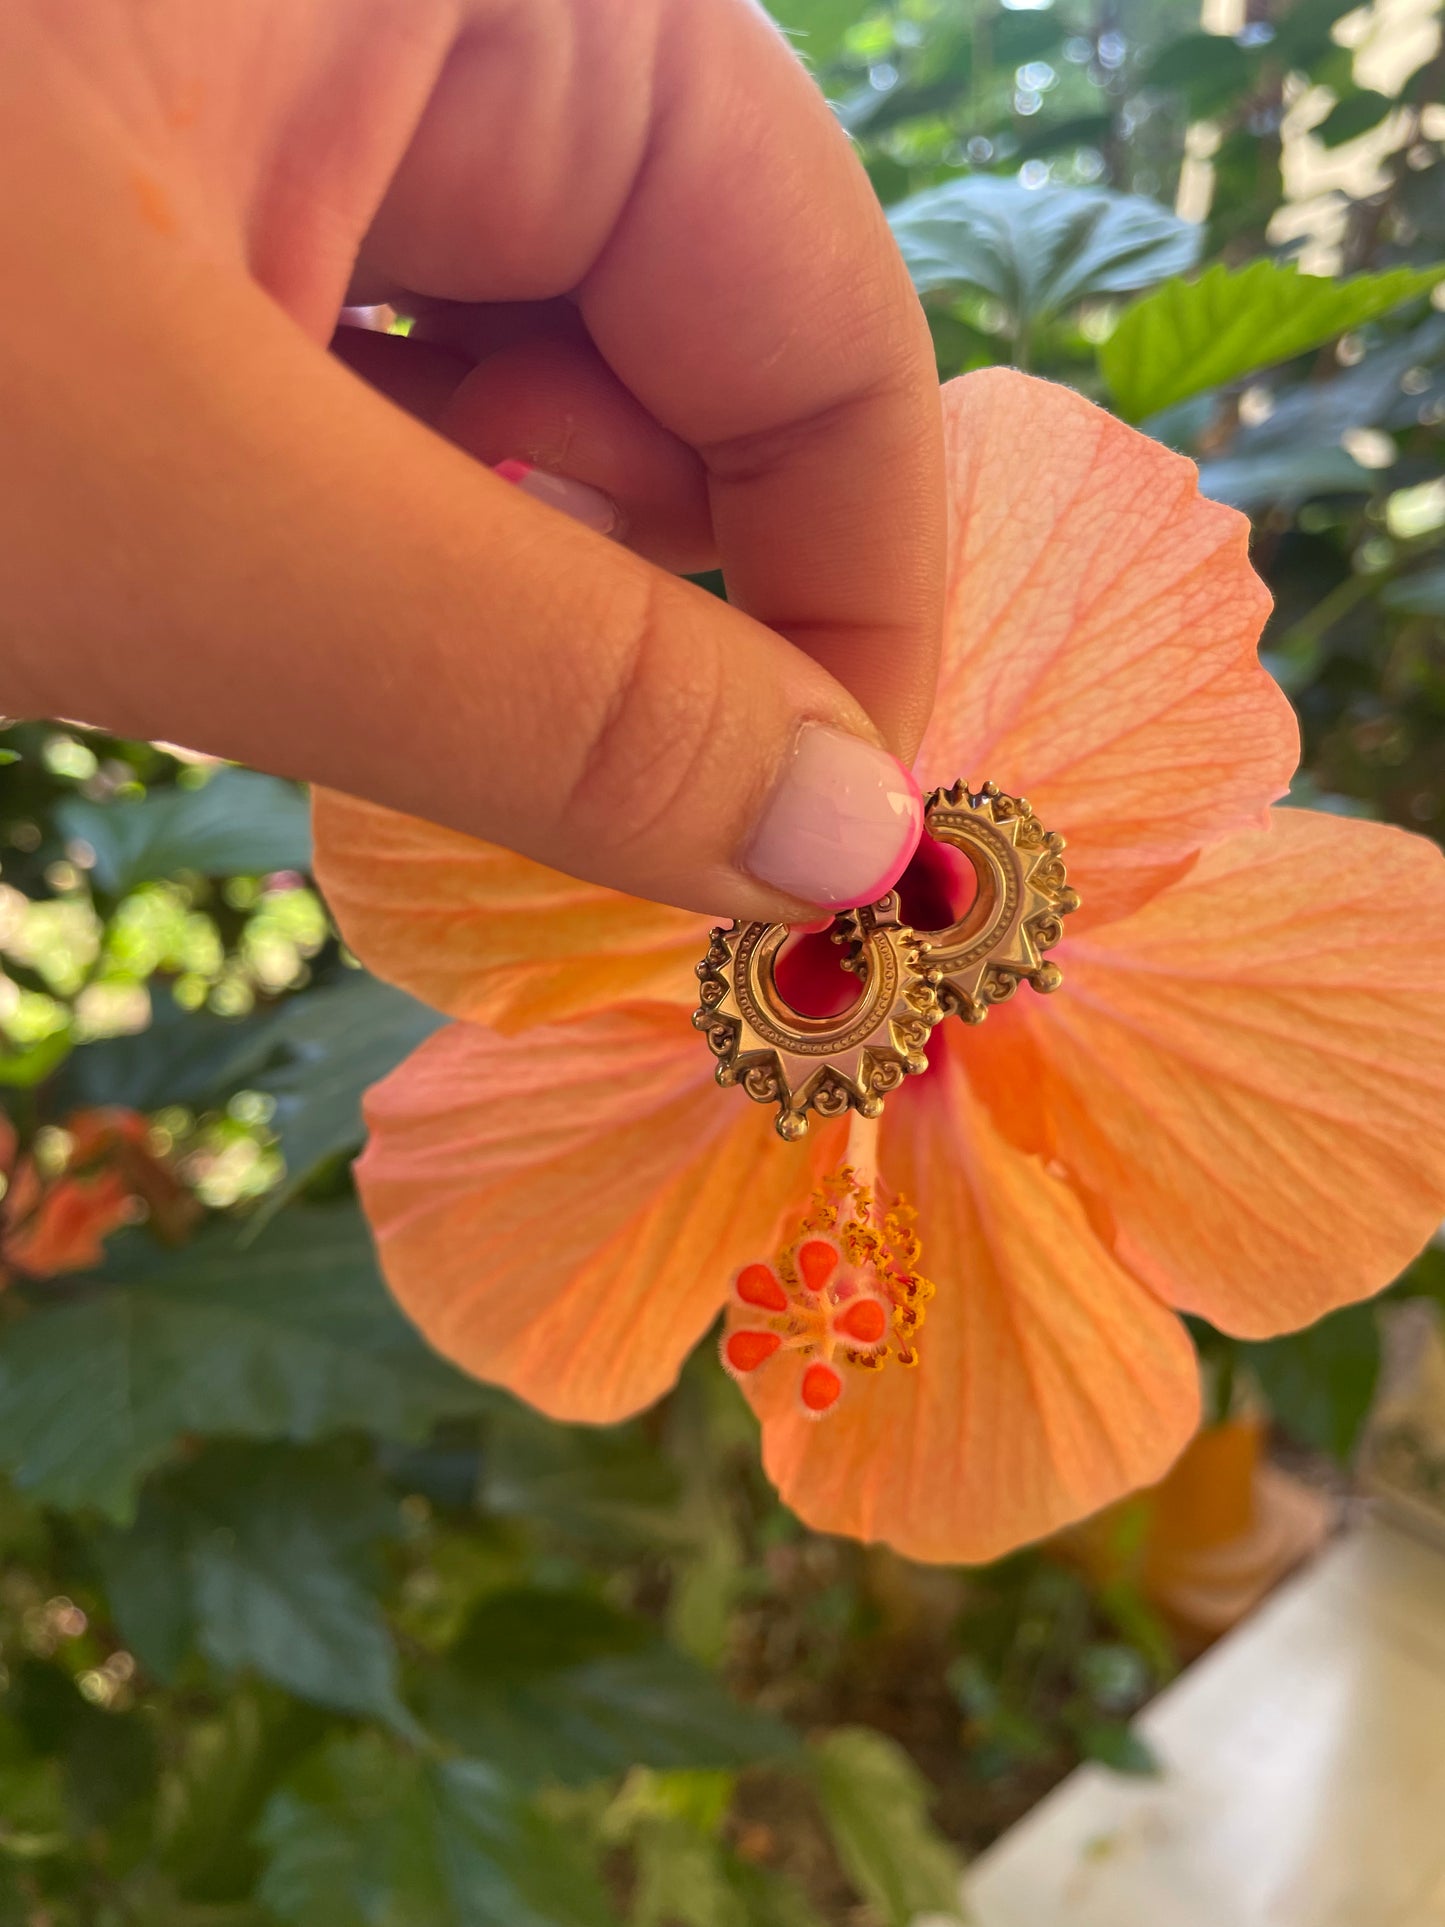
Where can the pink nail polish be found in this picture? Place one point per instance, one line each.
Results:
(841, 823)
(580, 500)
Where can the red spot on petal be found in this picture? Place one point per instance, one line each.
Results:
(759, 1285)
(744, 1351)
(863, 1320)
(820, 1390)
(817, 1261)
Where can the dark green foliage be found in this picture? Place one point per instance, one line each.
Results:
(363, 1837)
(264, 1559)
(239, 823)
(332, 1047)
(1320, 1383)
(290, 1336)
(557, 1686)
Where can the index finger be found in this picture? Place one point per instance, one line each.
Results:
(752, 297)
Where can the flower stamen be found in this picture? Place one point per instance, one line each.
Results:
(845, 1295)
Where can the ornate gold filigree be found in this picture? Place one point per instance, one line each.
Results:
(1023, 897)
(823, 1064)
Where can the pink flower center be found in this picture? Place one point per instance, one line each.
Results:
(936, 890)
(938, 887)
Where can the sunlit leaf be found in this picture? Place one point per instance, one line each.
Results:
(22, 1070)
(1191, 335)
(291, 1337)
(558, 1686)
(1037, 251)
(686, 1874)
(365, 1837)
(876, 1802)
(815, 27)
(266, 1556)
(237, 824)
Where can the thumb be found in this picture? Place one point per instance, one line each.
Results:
(247, 550)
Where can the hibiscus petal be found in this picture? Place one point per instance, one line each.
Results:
(1049, 1381)
(67, 1229)
(1100, 650)
(563, 1213)
(1249, 1075)
(487, 936)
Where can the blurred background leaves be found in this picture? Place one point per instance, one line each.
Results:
(297, 1625)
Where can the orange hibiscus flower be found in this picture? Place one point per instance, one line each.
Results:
(51, 1223)
(1235, 1105)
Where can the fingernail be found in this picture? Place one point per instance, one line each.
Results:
(580, 500)
(841, 824)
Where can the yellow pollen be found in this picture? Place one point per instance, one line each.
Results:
(877, 1240)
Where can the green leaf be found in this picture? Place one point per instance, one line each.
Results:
(601, 1487)
(363, 1837)
(1356, 114)
(1115, 1745)
(1038, 251)
(1209, 69)
(338, 1041)
(182, 1057)
(815, 27)
(1303, 34)
(1417, 595)
(268, 1553)
(1231, 322)
(22, 1070)
(224, 1768)
(559, 1686)
(1320, 1383)
(684, 1874)
(108, 1760)
(292, 1337)
(876, 1804)
(238, 824)
(1254, 481)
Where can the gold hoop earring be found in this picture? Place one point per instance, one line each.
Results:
(826, 1065)
(1017, 914)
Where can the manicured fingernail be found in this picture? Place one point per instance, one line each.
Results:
(580, 500)
(841, 823)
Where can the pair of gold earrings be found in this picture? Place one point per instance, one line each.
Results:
(911, 980)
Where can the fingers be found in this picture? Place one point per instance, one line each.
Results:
(736, 274)
(752, 298)
(553, 402)
(558, 405)
(325, 588)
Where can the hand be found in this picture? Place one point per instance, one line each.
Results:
(643, 258)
